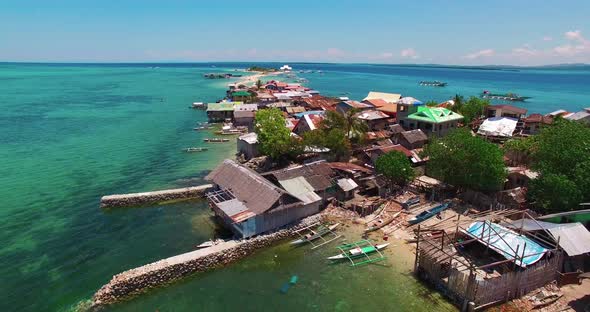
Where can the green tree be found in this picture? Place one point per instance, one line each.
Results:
(473, 108)
(273, 136)
(554, 193)
(561, 154)
(396, 167)
(466, 161)
(353, 127)
(333, 139)
(258, 84)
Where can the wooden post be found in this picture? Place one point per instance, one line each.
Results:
(417, 249)
(442, 241)
(515, 257)
(468, 289)
(457, 227)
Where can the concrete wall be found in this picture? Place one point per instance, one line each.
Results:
(136, 199)
(135, 281)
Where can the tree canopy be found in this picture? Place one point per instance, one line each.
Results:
(561, 154)
(333, 139)
(466, 161)
(273, 136)
(470, 109)
(354, 128)
(396, 167)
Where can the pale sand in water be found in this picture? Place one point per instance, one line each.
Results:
(253, 78)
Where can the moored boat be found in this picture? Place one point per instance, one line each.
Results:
(209, 243)
(215, 140)
(434, 83)
(195, 149)
(313, 235)
(199, 105)
(427, 214)
(506, 96)
(359, 251)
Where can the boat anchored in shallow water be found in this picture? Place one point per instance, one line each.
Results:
(195, 149)
(315, 234)
(215, 140)
(506, 96)
(360, 249)
(434, 83)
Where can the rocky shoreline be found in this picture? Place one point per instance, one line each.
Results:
(138, 280)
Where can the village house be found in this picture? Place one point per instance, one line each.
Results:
(308, 122)
(383, 102)
(248, 145)
(265, 98)
(534, 122)
(218, 112)
(249, 205)
(372, 153)
(412, 139)
(295, 109)
(388, 108)
(344, 106)
(435, 121)
(505, 111)
(374, 119)
(395, 130)
(498, 127)
(581, 116)
(244, 115)
(318, 102)
(392, 98)
(242, 96)
(306, 182)
(405, 107)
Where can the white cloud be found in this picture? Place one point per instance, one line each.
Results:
(525, 51)
(580, 45)
(409, 53)
(480, 54)
(386, 55)
(547, 38)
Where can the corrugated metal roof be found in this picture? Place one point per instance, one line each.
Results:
(347, 184)
(529, 225)
(299, 188)
(387, 97)
(574, 238)
(257, 193)
(250, 138)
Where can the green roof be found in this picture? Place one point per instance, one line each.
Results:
(434, 115)
(241, 93)
(220, 106)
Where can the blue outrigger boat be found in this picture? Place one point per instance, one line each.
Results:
(427, 214)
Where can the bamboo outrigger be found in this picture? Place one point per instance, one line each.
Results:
(319, 233)
(361, 251)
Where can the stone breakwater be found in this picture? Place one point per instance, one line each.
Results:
(138, 280)
(136, 199)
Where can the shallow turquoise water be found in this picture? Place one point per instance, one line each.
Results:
(72, 133)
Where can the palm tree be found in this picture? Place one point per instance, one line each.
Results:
(258, 84)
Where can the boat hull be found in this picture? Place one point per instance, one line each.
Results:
(358, 252)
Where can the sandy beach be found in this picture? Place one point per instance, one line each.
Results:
(251, 80)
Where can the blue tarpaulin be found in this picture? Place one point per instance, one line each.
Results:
(505, 242)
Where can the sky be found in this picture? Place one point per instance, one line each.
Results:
(515, 32)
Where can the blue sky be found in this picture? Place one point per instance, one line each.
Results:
(428, 31)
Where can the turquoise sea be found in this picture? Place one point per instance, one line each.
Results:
(71, 133)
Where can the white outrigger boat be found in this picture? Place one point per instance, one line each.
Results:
(210, 243)
(313, 235)
(359, 251)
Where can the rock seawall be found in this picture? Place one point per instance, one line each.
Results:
(135, 281)
(136, 199)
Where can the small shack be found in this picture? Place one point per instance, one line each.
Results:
(218, 112)
(248, 145)
(412, 139)
(244, 115)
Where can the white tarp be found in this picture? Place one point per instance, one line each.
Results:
(498, 126)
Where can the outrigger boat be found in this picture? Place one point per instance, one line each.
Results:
(199, 105)
(195, 149)
(313, 235)
(215, 140)
(210, 243)
(434, 83)
(359, 251)
(506, 97)
(427, 214)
